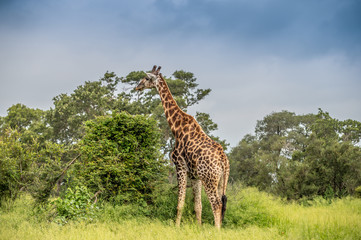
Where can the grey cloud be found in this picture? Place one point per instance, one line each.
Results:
(257, 56)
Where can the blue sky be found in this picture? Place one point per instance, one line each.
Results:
(257, 56)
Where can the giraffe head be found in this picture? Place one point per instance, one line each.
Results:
(151, 80)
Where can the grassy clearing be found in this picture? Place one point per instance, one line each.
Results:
(250, 215)
(339, 220)
(130, 229)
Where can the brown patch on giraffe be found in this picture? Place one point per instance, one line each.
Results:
(170, 112)
(179, 135)
(177, 124)
(185, 138)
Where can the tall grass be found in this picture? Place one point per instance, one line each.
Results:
(250, 215)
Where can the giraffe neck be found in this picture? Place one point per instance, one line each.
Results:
(172, 111)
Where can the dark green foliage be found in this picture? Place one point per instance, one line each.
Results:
(27, 165)
(121, 157)
(47, 171)
(165, 198)
(16, 163)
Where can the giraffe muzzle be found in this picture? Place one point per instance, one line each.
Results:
(140, 87)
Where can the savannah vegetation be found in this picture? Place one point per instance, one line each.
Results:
(96, 166)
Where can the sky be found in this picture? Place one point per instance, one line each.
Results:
(257, 56)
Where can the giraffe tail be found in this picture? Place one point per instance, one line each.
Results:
(224, 206)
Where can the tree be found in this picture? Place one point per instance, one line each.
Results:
(334, 163)
(246, 165)
(298, 156)
(277, 123)
(21, 117)
(190, 92)
(31, 123)
(92, 99)
(48, 170)
(29, 161)
(16, 160)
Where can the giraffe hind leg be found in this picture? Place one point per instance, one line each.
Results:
(216, 203)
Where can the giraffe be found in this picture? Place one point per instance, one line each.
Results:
(195, 154)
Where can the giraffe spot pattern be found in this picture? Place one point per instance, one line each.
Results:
(195, 154)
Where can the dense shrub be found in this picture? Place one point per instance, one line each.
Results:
(16, 161)
(121, 157)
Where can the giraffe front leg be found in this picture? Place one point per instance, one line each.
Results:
(182, 187)
(197, 192)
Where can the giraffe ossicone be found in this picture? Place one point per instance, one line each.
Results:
(195, 154)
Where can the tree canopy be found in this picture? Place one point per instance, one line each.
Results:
(298, 156)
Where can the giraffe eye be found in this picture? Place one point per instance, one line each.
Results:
(147, 78)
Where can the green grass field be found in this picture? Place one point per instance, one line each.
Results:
(250, 215)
